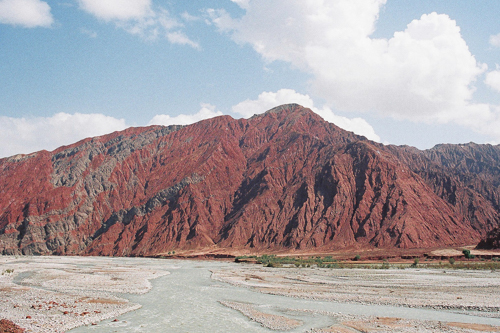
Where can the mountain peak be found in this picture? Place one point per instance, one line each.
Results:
(283, 111)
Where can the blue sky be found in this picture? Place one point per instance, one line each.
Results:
(397, 71)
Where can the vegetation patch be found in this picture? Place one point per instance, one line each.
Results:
(329, 262)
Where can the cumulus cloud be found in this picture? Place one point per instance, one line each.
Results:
(207, 111)
(495, 40)
(138, 17)
(268, 100)
(26, 13)
(493, 79)
(425, 73)
(26, 135)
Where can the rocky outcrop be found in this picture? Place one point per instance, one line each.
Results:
(285, 179)
(491, 241)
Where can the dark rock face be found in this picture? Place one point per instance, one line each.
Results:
(491, 241)
(282, 180)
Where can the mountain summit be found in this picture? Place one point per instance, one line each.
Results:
(282, 180)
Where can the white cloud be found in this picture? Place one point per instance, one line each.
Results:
(207, 111)
(424, 73)
(178, 37)
(26, 13)
(493, 79)
(26, 135)
(117, 9)
(189, 18)
(269, 100)
(138, 17)
(90, 33)
(242, 3)
(495, 40)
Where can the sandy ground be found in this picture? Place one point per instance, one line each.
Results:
(55, 294)
(465, 292)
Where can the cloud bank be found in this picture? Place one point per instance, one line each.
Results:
(424, 73)
(26, 135)
(26, 13)
(207, 111)
(269, 100)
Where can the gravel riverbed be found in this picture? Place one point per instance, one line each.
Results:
(56, 294)
(457, 290)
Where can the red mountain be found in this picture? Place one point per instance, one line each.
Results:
(285, 179)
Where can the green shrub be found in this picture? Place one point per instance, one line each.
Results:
(467, 254)
(451, 261)
(273, 264)
(357, 257)
(415, 262)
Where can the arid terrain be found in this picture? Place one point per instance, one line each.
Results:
(55, 294)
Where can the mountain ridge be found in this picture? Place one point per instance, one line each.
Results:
(283, 180)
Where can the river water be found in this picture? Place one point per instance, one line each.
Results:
(188, 299)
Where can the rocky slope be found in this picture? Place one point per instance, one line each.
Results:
(491, 241)
(285, 179)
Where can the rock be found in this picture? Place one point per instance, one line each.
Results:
(285, 179)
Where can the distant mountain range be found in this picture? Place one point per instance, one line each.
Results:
(283, 180)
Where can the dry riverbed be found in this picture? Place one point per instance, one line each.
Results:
(55, 294)
(466, 292)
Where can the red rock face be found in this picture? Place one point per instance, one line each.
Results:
(282, 180)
